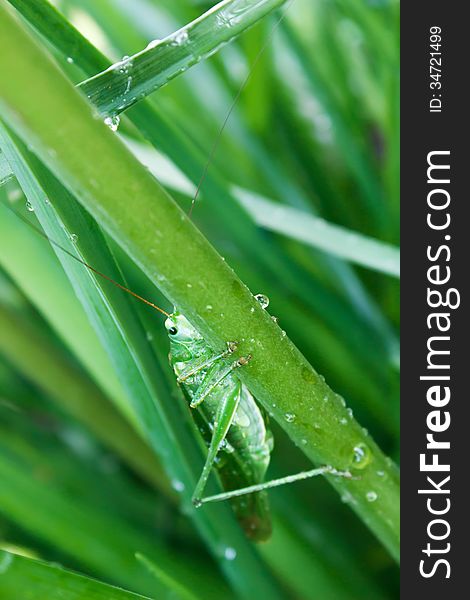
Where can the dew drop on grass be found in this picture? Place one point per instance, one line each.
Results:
(230, 553)
(112, 122)
(177, 485)
(70, 60)
(263, 300)
(361, 456)
(371, 496)
(29, 206)
(290, 417)
(74, 237)
(181, 37)
(153, 43)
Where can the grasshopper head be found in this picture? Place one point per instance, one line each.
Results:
(180, 329)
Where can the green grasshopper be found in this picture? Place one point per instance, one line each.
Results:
(239, 440)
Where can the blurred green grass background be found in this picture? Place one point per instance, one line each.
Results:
(316, 129)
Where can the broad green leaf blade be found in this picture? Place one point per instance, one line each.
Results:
(128, 81)
(173, 253)
(28, 579)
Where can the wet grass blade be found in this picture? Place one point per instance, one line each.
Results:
(128, 81)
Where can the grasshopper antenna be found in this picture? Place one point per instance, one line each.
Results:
(243, 85)
(88, 266)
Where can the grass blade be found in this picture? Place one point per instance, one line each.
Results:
(344, 243)
(175, 588)
(128, 81)
(28, 579)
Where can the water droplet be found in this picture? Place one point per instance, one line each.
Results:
(149, 336)
(371, 496)
(350, 412)
(309, 376)
(263, 300)
(222, 20)
(180, 38)
(29, 206)
(69, 60)
(123, 66)
(189, 285)
(153, 43)
(361, 456)
(283, 333)
(380, 473)
(304, 441)
(177, 485)
(343, 421)
(74, 237)
(112, 122)
(290, 417)
(209, 307)
(230, 553)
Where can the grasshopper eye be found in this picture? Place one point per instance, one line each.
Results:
(172, 331)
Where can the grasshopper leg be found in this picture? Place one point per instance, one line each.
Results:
(327, 470)
(224, 417)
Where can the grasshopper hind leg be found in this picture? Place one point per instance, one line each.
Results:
(260, 487)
